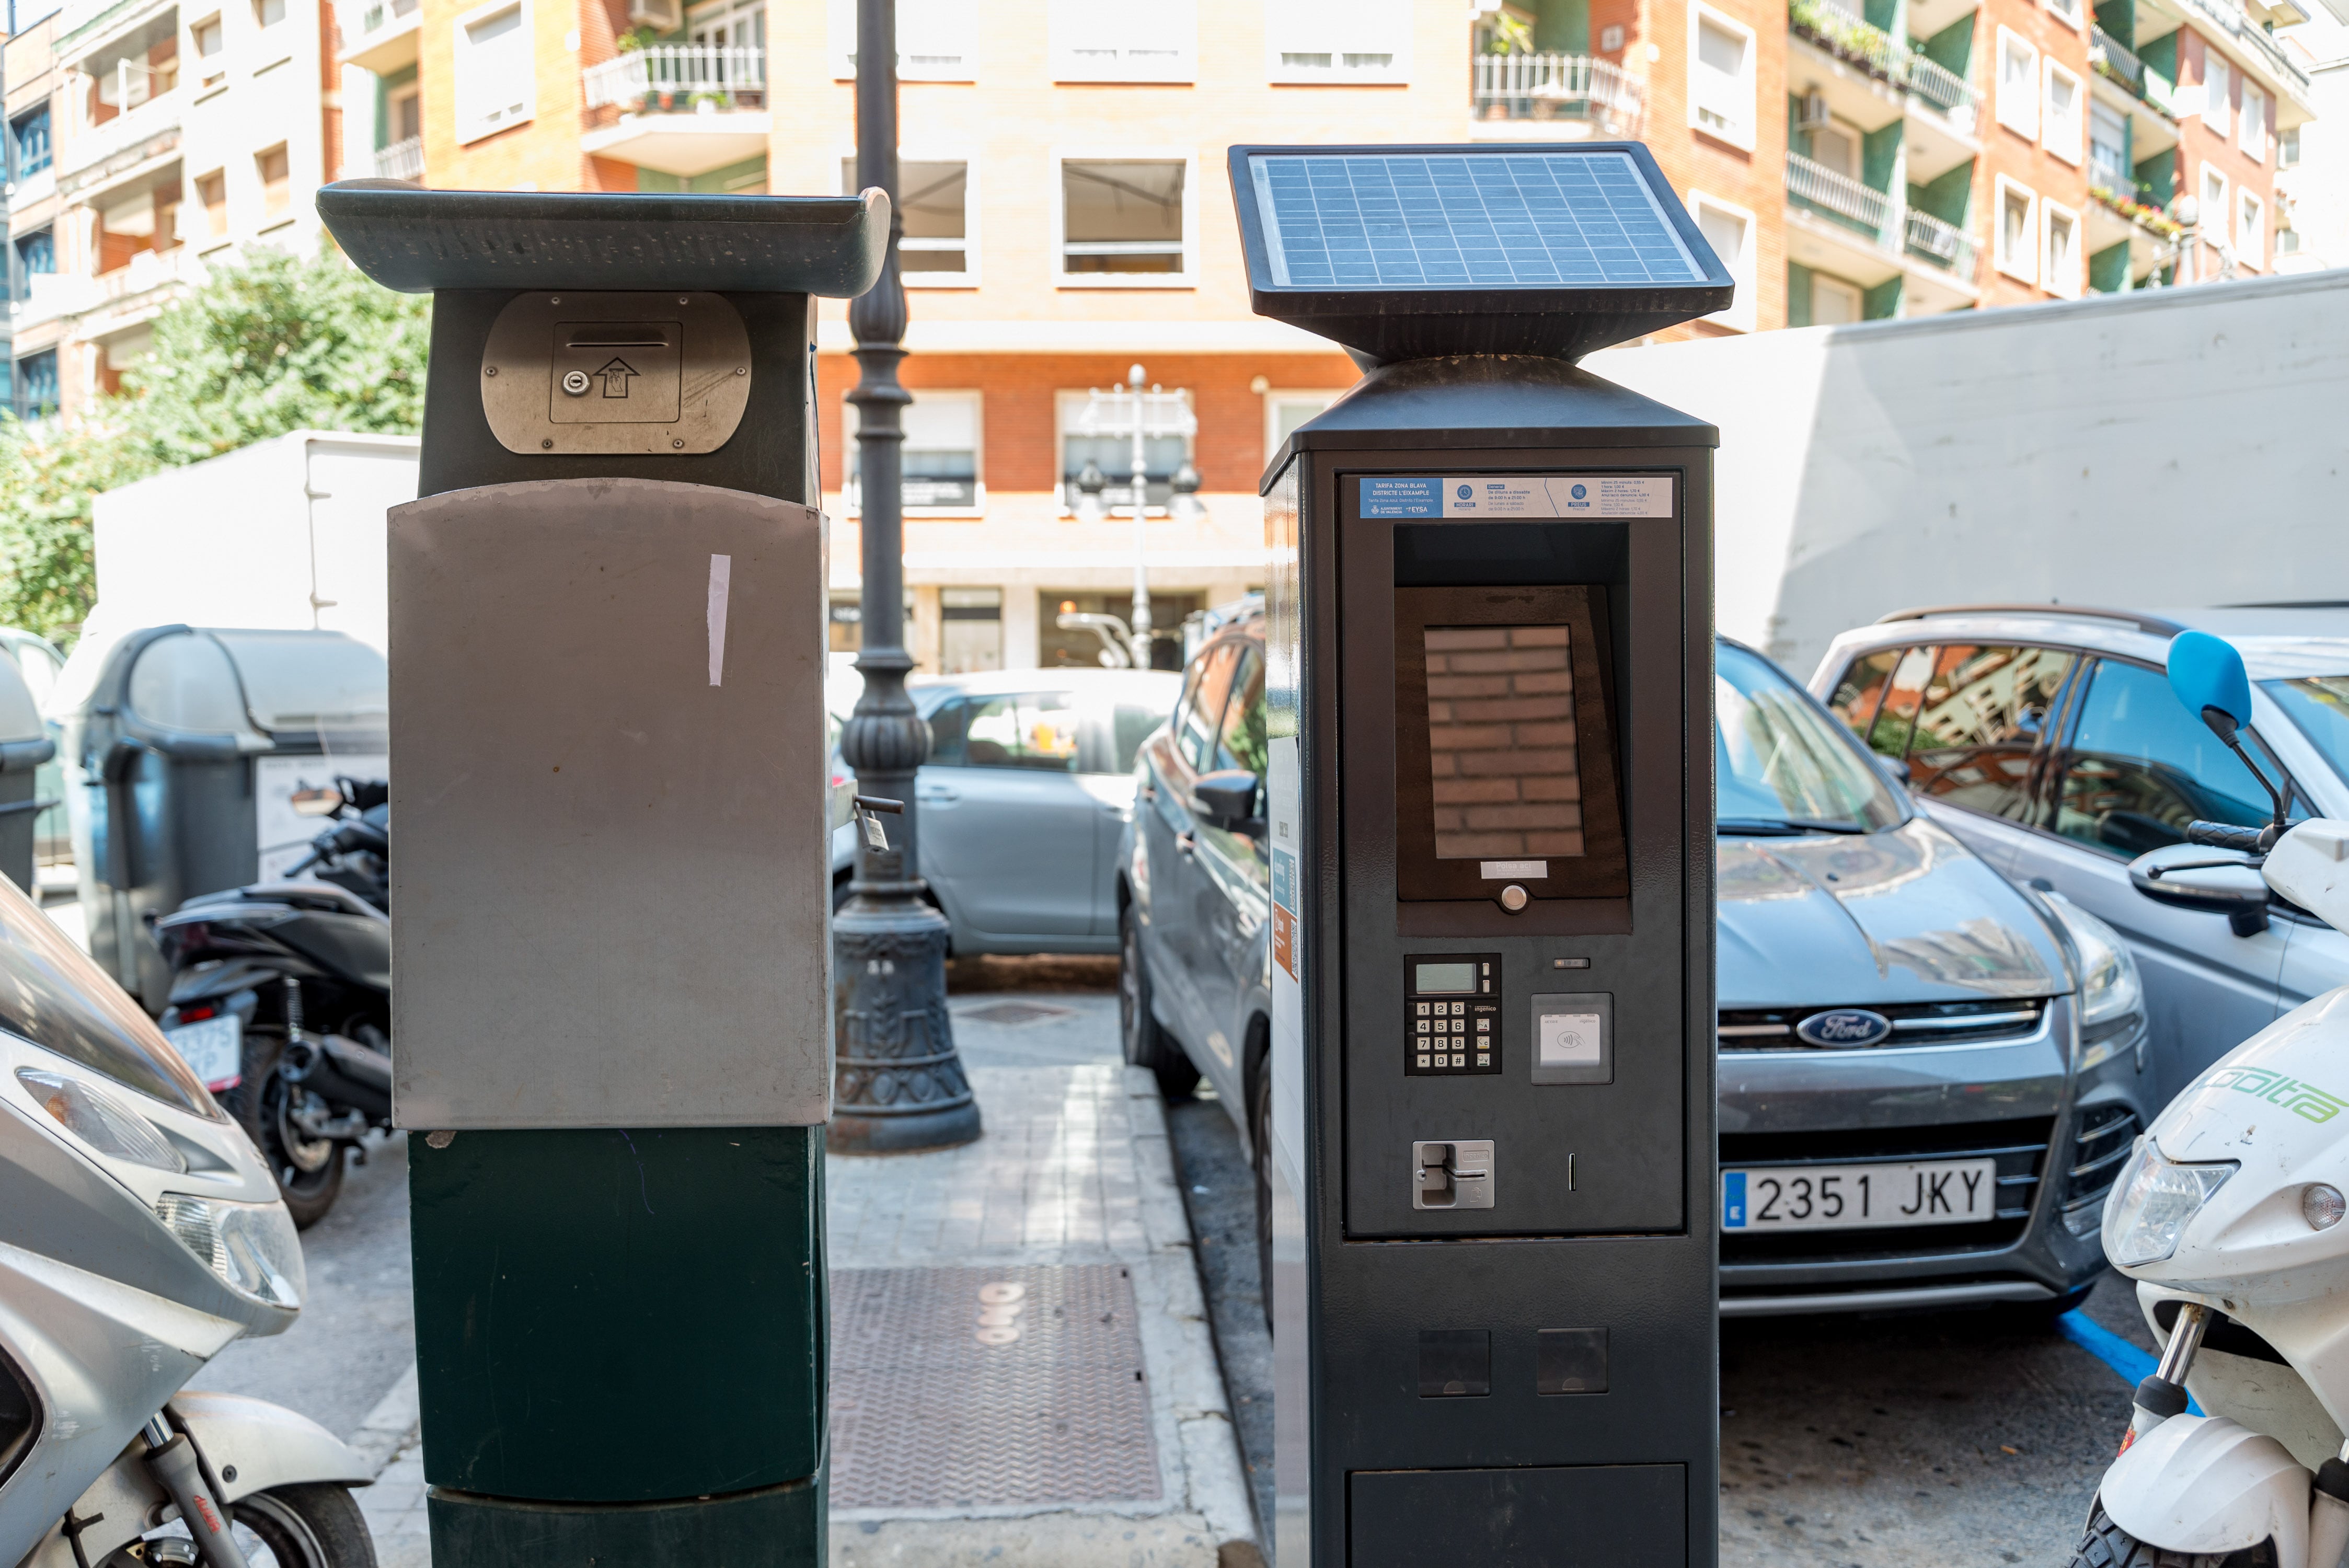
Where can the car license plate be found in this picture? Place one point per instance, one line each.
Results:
(1848, 1197)
(213, 1049)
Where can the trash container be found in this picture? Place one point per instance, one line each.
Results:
(24, 745)
(190, 747)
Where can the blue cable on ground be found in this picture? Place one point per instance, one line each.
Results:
(2135, 1365)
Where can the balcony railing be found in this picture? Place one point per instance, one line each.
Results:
(684, 78)
(2107, 58)
(1944, 243)
(2237, 25)
(1839, 193)
(382, 14)
(401, 159)
(1841, 32)
(1557, 87)
(89, 144)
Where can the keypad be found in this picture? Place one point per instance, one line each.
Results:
(1454, 1033)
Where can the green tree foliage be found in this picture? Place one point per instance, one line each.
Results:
(269, 344)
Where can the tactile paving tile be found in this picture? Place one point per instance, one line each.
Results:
(927, 1413)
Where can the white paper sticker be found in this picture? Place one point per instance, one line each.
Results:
(1570, 1039)
(721, 576)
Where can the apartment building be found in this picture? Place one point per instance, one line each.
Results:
(146, 140)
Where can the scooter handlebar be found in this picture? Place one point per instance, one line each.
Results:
(2227, 836)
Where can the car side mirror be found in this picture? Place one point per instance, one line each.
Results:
(1227, 800)
(2220, 882)
(2208, 675)
(1902, 774)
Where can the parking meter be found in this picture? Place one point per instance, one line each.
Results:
(610, 886)
(1490, 664)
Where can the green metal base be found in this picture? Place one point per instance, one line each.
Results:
(774, 1527)
(608, 1317)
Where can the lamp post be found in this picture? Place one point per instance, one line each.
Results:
(1140, 415)
(897, 1083)
(2187, 211)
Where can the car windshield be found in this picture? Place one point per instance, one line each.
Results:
(2319, 706)
(1784, 766)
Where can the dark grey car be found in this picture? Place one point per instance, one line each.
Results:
(1927, 1075)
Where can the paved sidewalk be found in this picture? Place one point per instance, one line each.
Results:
(1022, 1367)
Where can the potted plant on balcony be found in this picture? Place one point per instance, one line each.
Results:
(711, 101)
(1501, 38)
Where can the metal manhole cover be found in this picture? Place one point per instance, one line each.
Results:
(963, 1387)
(1011, 1014)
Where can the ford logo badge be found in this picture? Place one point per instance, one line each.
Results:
(1845, 1026)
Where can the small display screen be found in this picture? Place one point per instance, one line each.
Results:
(1507, 776)
(1433, 979)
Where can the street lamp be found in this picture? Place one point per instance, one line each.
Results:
(897, 1084)
(1143, 415)
(2187, 211)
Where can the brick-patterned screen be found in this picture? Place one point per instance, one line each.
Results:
(1500, 730)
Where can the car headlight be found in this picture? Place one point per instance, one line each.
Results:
(100, 1119)
(2153, 1202)
(2112, 997)
(251, 1246)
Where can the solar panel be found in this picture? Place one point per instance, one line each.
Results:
(1469, 220)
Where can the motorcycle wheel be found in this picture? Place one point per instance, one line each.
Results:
(1147, 1045)
(305, 1527)
(309, 1170)
(2108, 1545)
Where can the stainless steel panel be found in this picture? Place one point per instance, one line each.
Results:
(642, 373)
(612, 884)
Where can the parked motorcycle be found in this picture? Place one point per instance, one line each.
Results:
(281, 997)
(139, 1235)
(2228, 1215)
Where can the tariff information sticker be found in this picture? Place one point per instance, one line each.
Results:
(1520, 496)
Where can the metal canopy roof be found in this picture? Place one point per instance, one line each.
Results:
(1417, 251)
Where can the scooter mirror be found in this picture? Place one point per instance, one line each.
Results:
(2189, 876)
(316, 803)
(2208, 675)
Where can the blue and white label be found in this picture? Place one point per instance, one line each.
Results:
(1520, 496)
(1732, 1199)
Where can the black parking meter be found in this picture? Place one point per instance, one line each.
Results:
(611, 1028)
(1491, 851)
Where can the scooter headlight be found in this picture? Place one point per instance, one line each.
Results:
(251, 1246)
(100, 1119)
(2153, 1202)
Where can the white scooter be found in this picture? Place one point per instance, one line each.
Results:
(2229, 1217)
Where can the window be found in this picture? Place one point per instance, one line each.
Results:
(2139, 768)
(1337, 40)
(210, 69)
(2018, 85)
(2251, 231)
(2216, 92)
(1036, 731)
(1199, 723)
(28, 142)
(1721, 52)
(1836, 146)
(2059, 269)
(404, 115)
(2288, 148)
(1284, 411)
(269, 13)
(1124, 40)
(971, 630)
(1730, 231)
(2214, 209)
(2060, 130)
(212, 193)
(935, 39)
(1835, 302)
(940, 456)
(2018, 231)
(2108, 160)
(2071, 13)
(1124, 220)
(276, 189)
(940, 246)
(1112, 454)
(2252, 136)
(36, 253)
(493, 70)
(1969, 719)
(37, 384)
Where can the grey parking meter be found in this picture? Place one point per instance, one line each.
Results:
(1491, 855)
(610, 885)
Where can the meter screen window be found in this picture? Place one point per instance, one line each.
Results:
(1443, 979)
(1504, 755)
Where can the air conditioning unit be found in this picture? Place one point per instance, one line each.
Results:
(666, 15)
(1814, 115)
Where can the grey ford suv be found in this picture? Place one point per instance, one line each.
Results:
(1927, 1076)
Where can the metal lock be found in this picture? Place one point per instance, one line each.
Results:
(1455, 1174)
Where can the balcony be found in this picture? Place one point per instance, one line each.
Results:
(47, 296)
(681, 108)
(2114, 63)
(147, 271)
(1945, 245)
(148, 131)
(385, 39)
(401, 161)
(1840, 194)
(1847, 37)
(1546, 89)
(2229, 18)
